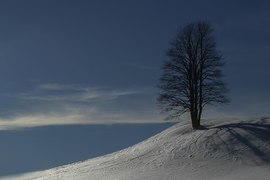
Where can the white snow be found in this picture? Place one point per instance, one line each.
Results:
(224, 150)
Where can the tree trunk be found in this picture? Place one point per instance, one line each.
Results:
(195, 120)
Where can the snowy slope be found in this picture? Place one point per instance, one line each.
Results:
(229, 150)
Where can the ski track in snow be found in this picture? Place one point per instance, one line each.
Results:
(228, 150)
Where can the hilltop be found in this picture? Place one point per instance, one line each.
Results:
(235, 149)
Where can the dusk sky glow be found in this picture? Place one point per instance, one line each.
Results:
(91, 62)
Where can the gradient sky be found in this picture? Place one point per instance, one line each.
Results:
(98, 61)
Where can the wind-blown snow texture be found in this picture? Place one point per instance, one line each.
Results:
(229, 150)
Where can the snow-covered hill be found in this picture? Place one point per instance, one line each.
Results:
(228, 150)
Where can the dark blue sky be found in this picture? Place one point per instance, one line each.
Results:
(67, 61)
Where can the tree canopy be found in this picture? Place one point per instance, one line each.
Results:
(191, 77)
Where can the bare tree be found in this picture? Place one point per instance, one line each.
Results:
(192, 74)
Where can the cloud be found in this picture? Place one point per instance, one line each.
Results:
(77, 115)
(59, 104)
(75, 93)
(56, 86)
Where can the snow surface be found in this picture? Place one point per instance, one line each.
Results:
(225, 150)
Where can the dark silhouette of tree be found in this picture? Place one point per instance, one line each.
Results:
(192, 74)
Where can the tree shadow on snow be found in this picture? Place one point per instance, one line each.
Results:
(255, 136)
